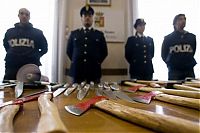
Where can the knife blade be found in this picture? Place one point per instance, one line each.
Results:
(19, 89)
(99, 90)
(71, 89)
(123, 96)
(108, 92)
(60, 90)
(83, 92)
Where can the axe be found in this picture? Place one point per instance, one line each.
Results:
(7, 115)
(166, 84)
(178, 100)
(151, 120)
(184, 93)
(50, 120)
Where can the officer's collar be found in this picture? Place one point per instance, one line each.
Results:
(139, 35)
(90, 28)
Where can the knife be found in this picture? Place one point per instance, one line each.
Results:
(19, 89)
(20, 100)
(70, 89)
(99, 90)
(157, 122)
(60, 90)
(108, 92)
(83, 92)
(6, 85)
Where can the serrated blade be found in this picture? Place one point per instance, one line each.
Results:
(19, 89)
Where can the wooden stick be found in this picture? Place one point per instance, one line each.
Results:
(157, 122)
(50, 120)
(7, 115)
(184, 93)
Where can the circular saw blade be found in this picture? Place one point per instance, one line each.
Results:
(28, 73)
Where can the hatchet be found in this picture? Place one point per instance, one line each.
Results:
(166, 84)
(154, 121)
(178, 100)
(184, 93)
(50, 120)
(7, 115)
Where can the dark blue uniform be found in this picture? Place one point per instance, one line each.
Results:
(178, 51)
(139, 52)
(86, 50)
(24, 45)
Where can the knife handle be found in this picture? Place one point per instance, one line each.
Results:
(7, 115)
(157, 122)
(50, 120)
(182, 101)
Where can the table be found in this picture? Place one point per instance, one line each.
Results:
(94, 120)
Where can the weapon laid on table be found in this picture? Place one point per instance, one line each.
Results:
(50, 120)
(71, 89)
(60, 90)
(7, 115)
(182, 101)
(19, 89)
(184, 87)
(29, 97)
(154, 121)
(83, 90)
(184, 93)
(169, 85)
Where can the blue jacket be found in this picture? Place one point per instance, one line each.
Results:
(139, 52)
(178, 50)
(86, 50)
(24, 45)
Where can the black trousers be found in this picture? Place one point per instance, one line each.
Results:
(180, 74)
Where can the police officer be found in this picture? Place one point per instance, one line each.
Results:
(178, 50)
(24, 44)
(86, 49)
(139, 51)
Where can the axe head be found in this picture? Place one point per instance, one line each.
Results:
(80, 108)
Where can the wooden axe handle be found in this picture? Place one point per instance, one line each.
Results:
(133, 84)
(7, 115)
(182, 101)
(184, 93)
(157, 122)
(50, 120)
(184, 87)
(197, 85)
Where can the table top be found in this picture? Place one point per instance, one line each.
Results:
(94, 120)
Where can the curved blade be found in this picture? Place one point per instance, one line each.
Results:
(19, 89)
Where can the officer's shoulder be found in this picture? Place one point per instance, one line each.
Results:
(97, 31)
(190, 34)
(37, 30)
(132, 37)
